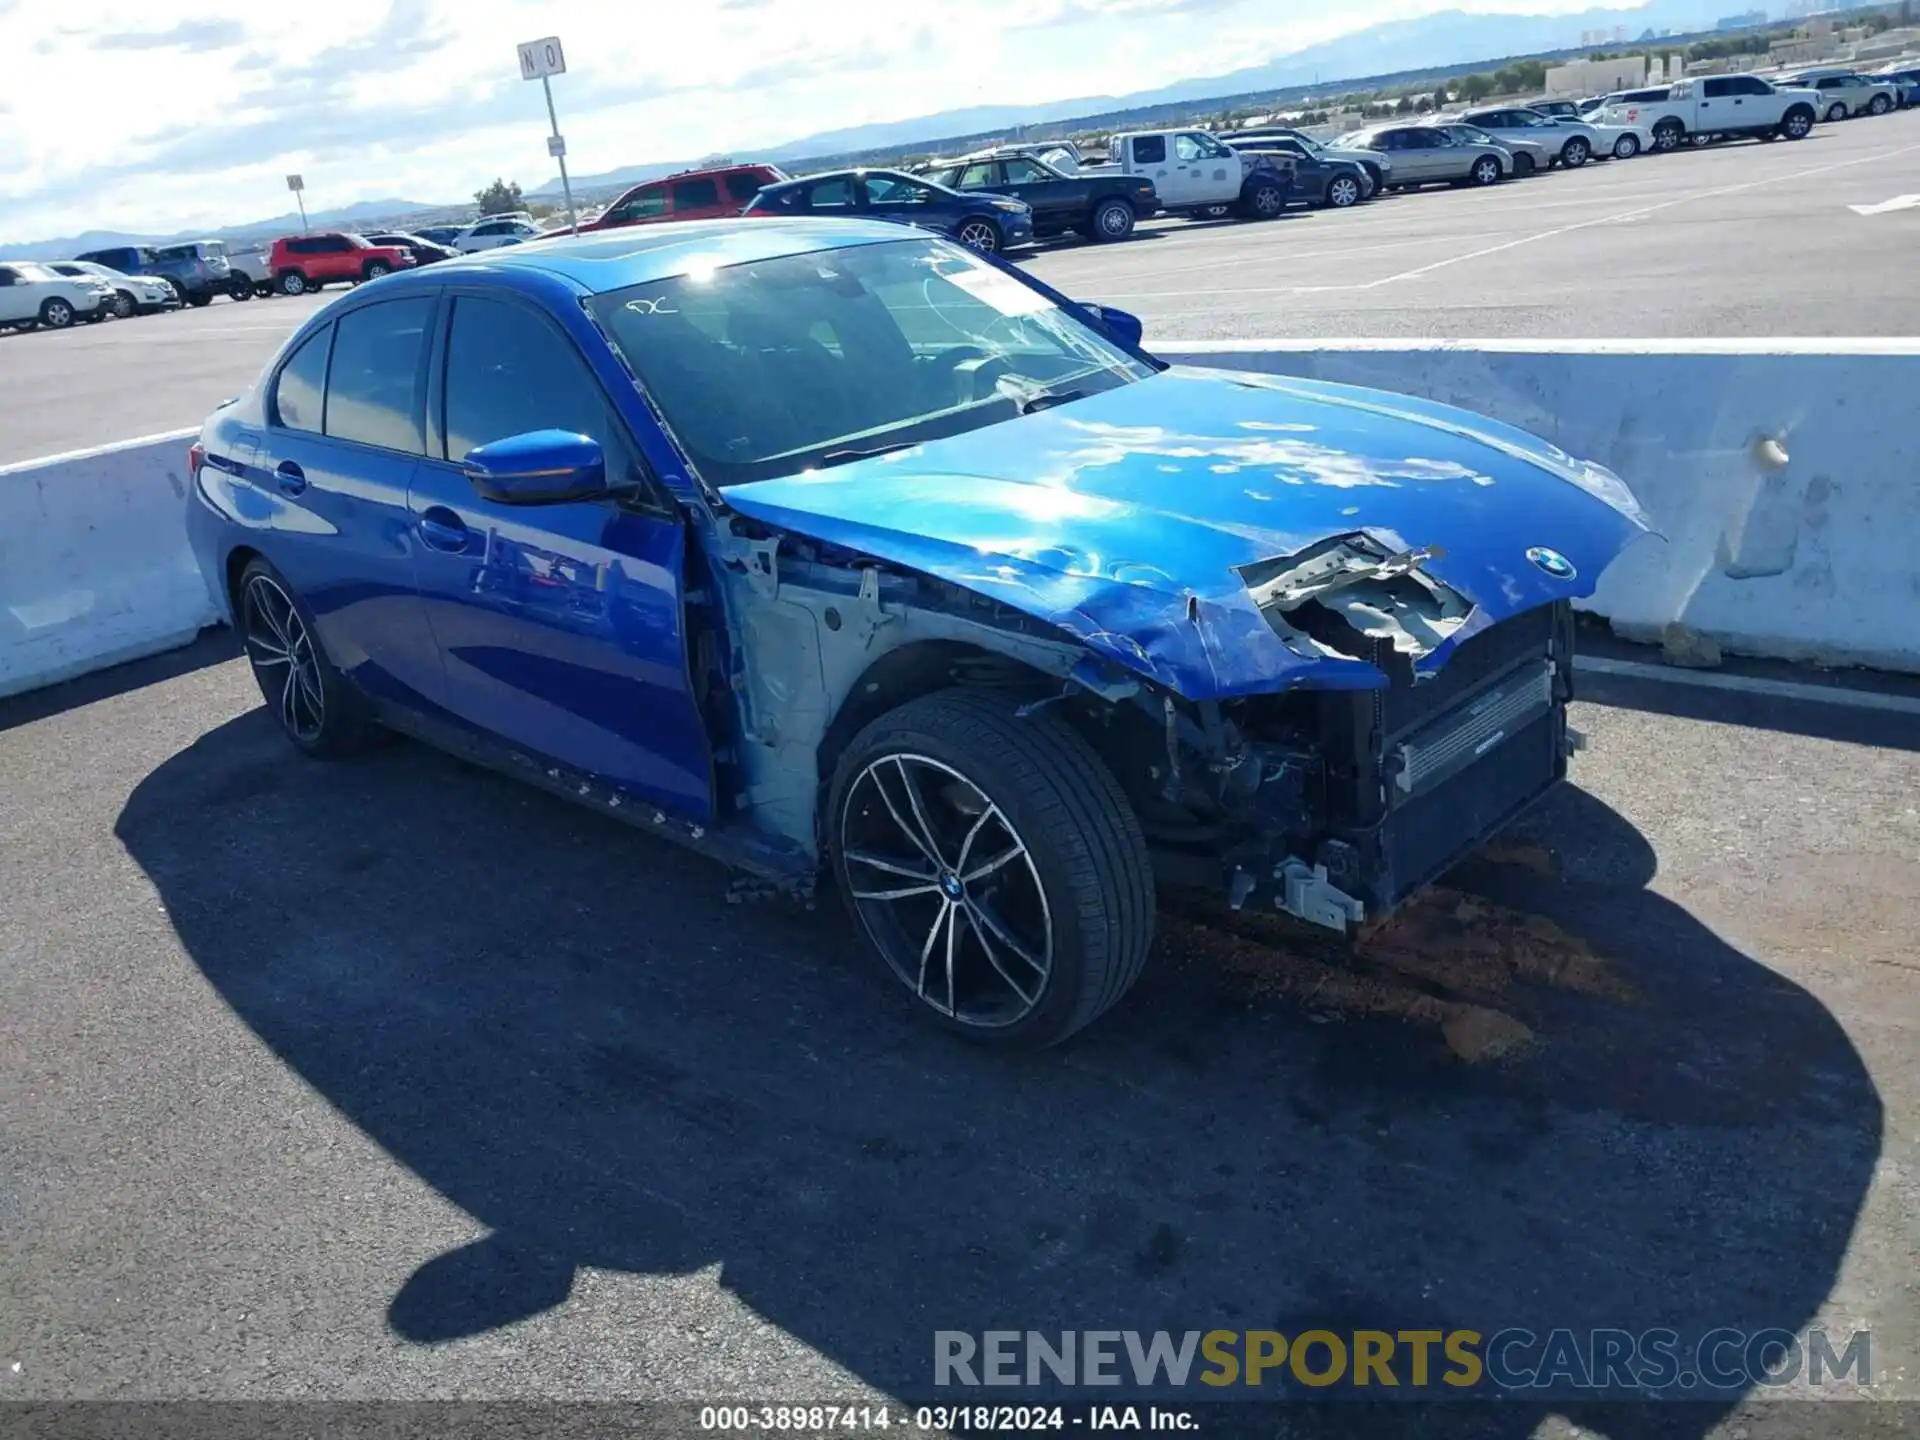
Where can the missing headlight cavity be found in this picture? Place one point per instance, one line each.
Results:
(1348, 591)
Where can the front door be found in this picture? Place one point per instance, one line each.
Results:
(559, 626)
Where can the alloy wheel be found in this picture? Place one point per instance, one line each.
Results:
(1626, 147)
(947, 890)
(282, 655)
(1486, 172)
(1116, 221)
(1268, 202)
(979, 235)
(57, 315)
(1837, 113)
(122, 304)
(1343, 192)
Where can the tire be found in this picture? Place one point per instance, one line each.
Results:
(1074, 882)
(1626, 147)
(1264, 201)
(1523, 165)
(1112, 220)
(1797, 123)
(1486, 171)
(123, 306)
(1211, 212)
(1342, 192)
(262, 290)
(1576, 152)
(1879, 105)
(292, 282)
(1667, 135)
(315, 706)
(980, 234)
(1836, 113)
(56, 314)
(375, 269)
(200, 299)
(1379, 178)
(240, 288)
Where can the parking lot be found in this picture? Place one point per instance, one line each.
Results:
(1740, 241)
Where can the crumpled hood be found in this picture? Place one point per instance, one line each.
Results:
(1121, 518)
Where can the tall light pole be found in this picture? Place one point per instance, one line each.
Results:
(541, 60)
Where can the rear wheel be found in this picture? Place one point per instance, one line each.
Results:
(994, 865)
(980, 234)
(311, 701)
(1836, 111)
(1342, 191)
(293, 283)
(240, 288)
(56, 314)
(1523, 165)
(1667, 135)
(1264, 201)
(1112, 220)
(200, 299)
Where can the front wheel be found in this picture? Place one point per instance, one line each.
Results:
(376, 268)
(1265, 201)
(311, 701)
(1879, 105)
(1486, 171)
(1575, 152)
(56, 314)
(1343, 191)
(1798, 124)
(1626, 147)
(980, 235)
(1112, 221)
(123, 305)
(994, 865)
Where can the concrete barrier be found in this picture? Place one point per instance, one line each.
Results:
(94, 562)
(1785, 475)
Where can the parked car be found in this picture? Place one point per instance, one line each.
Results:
(309, 262)
(1332, 184)
(1710, 106)
(1427, 155)
(841, 552)
(132, 294)
(32, 295)
(1570, 142)
(1197, 175)
(1906, 84)
(1099, 207)
(982, 222)
(691, 195)
(423, 250)
(1529, 154)
(1379, 167)
(251, 273)
(1846, 95)
(493, 232)
(197, 270)
(1556, 109)
(440, 234)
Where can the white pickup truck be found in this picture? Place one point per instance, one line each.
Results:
(1194, 174)
(1720, 105)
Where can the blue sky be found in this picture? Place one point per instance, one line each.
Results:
(156, 117)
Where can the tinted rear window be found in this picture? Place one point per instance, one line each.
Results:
(696, 194)
(373, 384)
(743, 186)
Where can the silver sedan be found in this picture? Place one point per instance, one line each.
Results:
(1528, 155)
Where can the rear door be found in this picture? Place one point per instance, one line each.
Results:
(560, 627)
(1152, 156)
(696, 199)
(344, 432)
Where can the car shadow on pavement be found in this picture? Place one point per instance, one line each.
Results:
(562, 1027)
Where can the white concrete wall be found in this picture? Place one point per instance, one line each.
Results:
(1785, 475)
(94, 562)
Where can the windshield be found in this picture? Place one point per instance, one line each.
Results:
(776, 366)
(29, 270)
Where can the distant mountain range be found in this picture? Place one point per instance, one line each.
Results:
(1442, 41)
(1448, 38)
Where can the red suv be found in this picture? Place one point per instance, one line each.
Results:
(690, 195)
(299, 263)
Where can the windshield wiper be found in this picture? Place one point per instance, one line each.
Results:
(1049, 399)
(842, 457)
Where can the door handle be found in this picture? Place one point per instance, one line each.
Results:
(443, 530)
(291, 478)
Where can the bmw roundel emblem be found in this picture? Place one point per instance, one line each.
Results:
(1553, 562)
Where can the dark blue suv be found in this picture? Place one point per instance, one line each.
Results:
(987, 223)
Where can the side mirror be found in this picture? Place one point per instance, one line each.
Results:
(541, 467)
(1121, 325)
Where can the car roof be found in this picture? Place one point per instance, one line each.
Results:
(604, 260)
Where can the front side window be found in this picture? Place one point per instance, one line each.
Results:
(696, 194)
(1027, 172)
(509, 372)
(299, 389)
(373, 384)
(775, 366)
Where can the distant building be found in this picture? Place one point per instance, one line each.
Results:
(1750, 20)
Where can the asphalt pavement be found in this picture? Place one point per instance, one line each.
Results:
(1742, 240)
(395, 1079)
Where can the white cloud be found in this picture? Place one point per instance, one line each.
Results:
(157, 117)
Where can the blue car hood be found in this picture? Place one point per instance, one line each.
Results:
(1121, 517)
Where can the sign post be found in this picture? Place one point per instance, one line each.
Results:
(297, 184)
(541, 60)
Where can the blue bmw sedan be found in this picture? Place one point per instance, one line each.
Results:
(837, 550)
